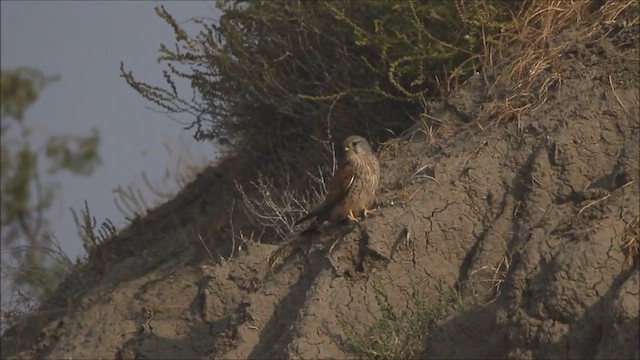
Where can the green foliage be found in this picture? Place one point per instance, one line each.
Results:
(36, 261)
(89, 232)
(400, 333)
(19, 89)
(272, 76)
(16, 185)
(73, 153)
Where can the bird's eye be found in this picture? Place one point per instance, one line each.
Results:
(353, 144)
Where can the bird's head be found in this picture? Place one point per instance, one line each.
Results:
(356, 145)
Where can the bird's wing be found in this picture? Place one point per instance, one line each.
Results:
(341, 182)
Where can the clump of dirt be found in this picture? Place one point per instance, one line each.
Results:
(533, 218)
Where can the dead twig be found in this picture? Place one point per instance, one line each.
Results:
(477, 149)
(616, 95)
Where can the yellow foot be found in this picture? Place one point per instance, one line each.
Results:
(368, 212)
(351, 217)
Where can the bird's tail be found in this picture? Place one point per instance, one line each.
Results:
(299, 221)
(312, 213)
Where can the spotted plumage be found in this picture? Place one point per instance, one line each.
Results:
(353, 186)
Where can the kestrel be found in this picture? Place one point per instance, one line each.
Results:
(353, 186)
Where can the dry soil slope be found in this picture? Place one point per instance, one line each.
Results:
(561, 196)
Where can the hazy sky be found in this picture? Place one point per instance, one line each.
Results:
(84, 42)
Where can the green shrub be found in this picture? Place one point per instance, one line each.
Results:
(399, 333)
(271, 76)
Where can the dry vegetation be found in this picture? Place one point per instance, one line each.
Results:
(631, 243)
(401, 333)
(281, 89)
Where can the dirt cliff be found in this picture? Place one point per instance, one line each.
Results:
(530, 223)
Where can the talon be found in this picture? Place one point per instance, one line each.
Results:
(368, 212)
(351, 217)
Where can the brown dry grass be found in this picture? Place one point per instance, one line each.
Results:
(525, 59)
(524, 56)
(631, 242)
(522, 67)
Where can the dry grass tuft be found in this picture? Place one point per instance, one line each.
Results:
(524, 58)
(611, 15)
(521, 67)
(631, 243)
(400, 332)
(275, 208)
(499, 274)
(522, 64)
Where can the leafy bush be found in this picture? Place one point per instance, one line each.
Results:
(271, 77)
(33, 263)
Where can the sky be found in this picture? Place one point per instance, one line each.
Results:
(84, 42)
